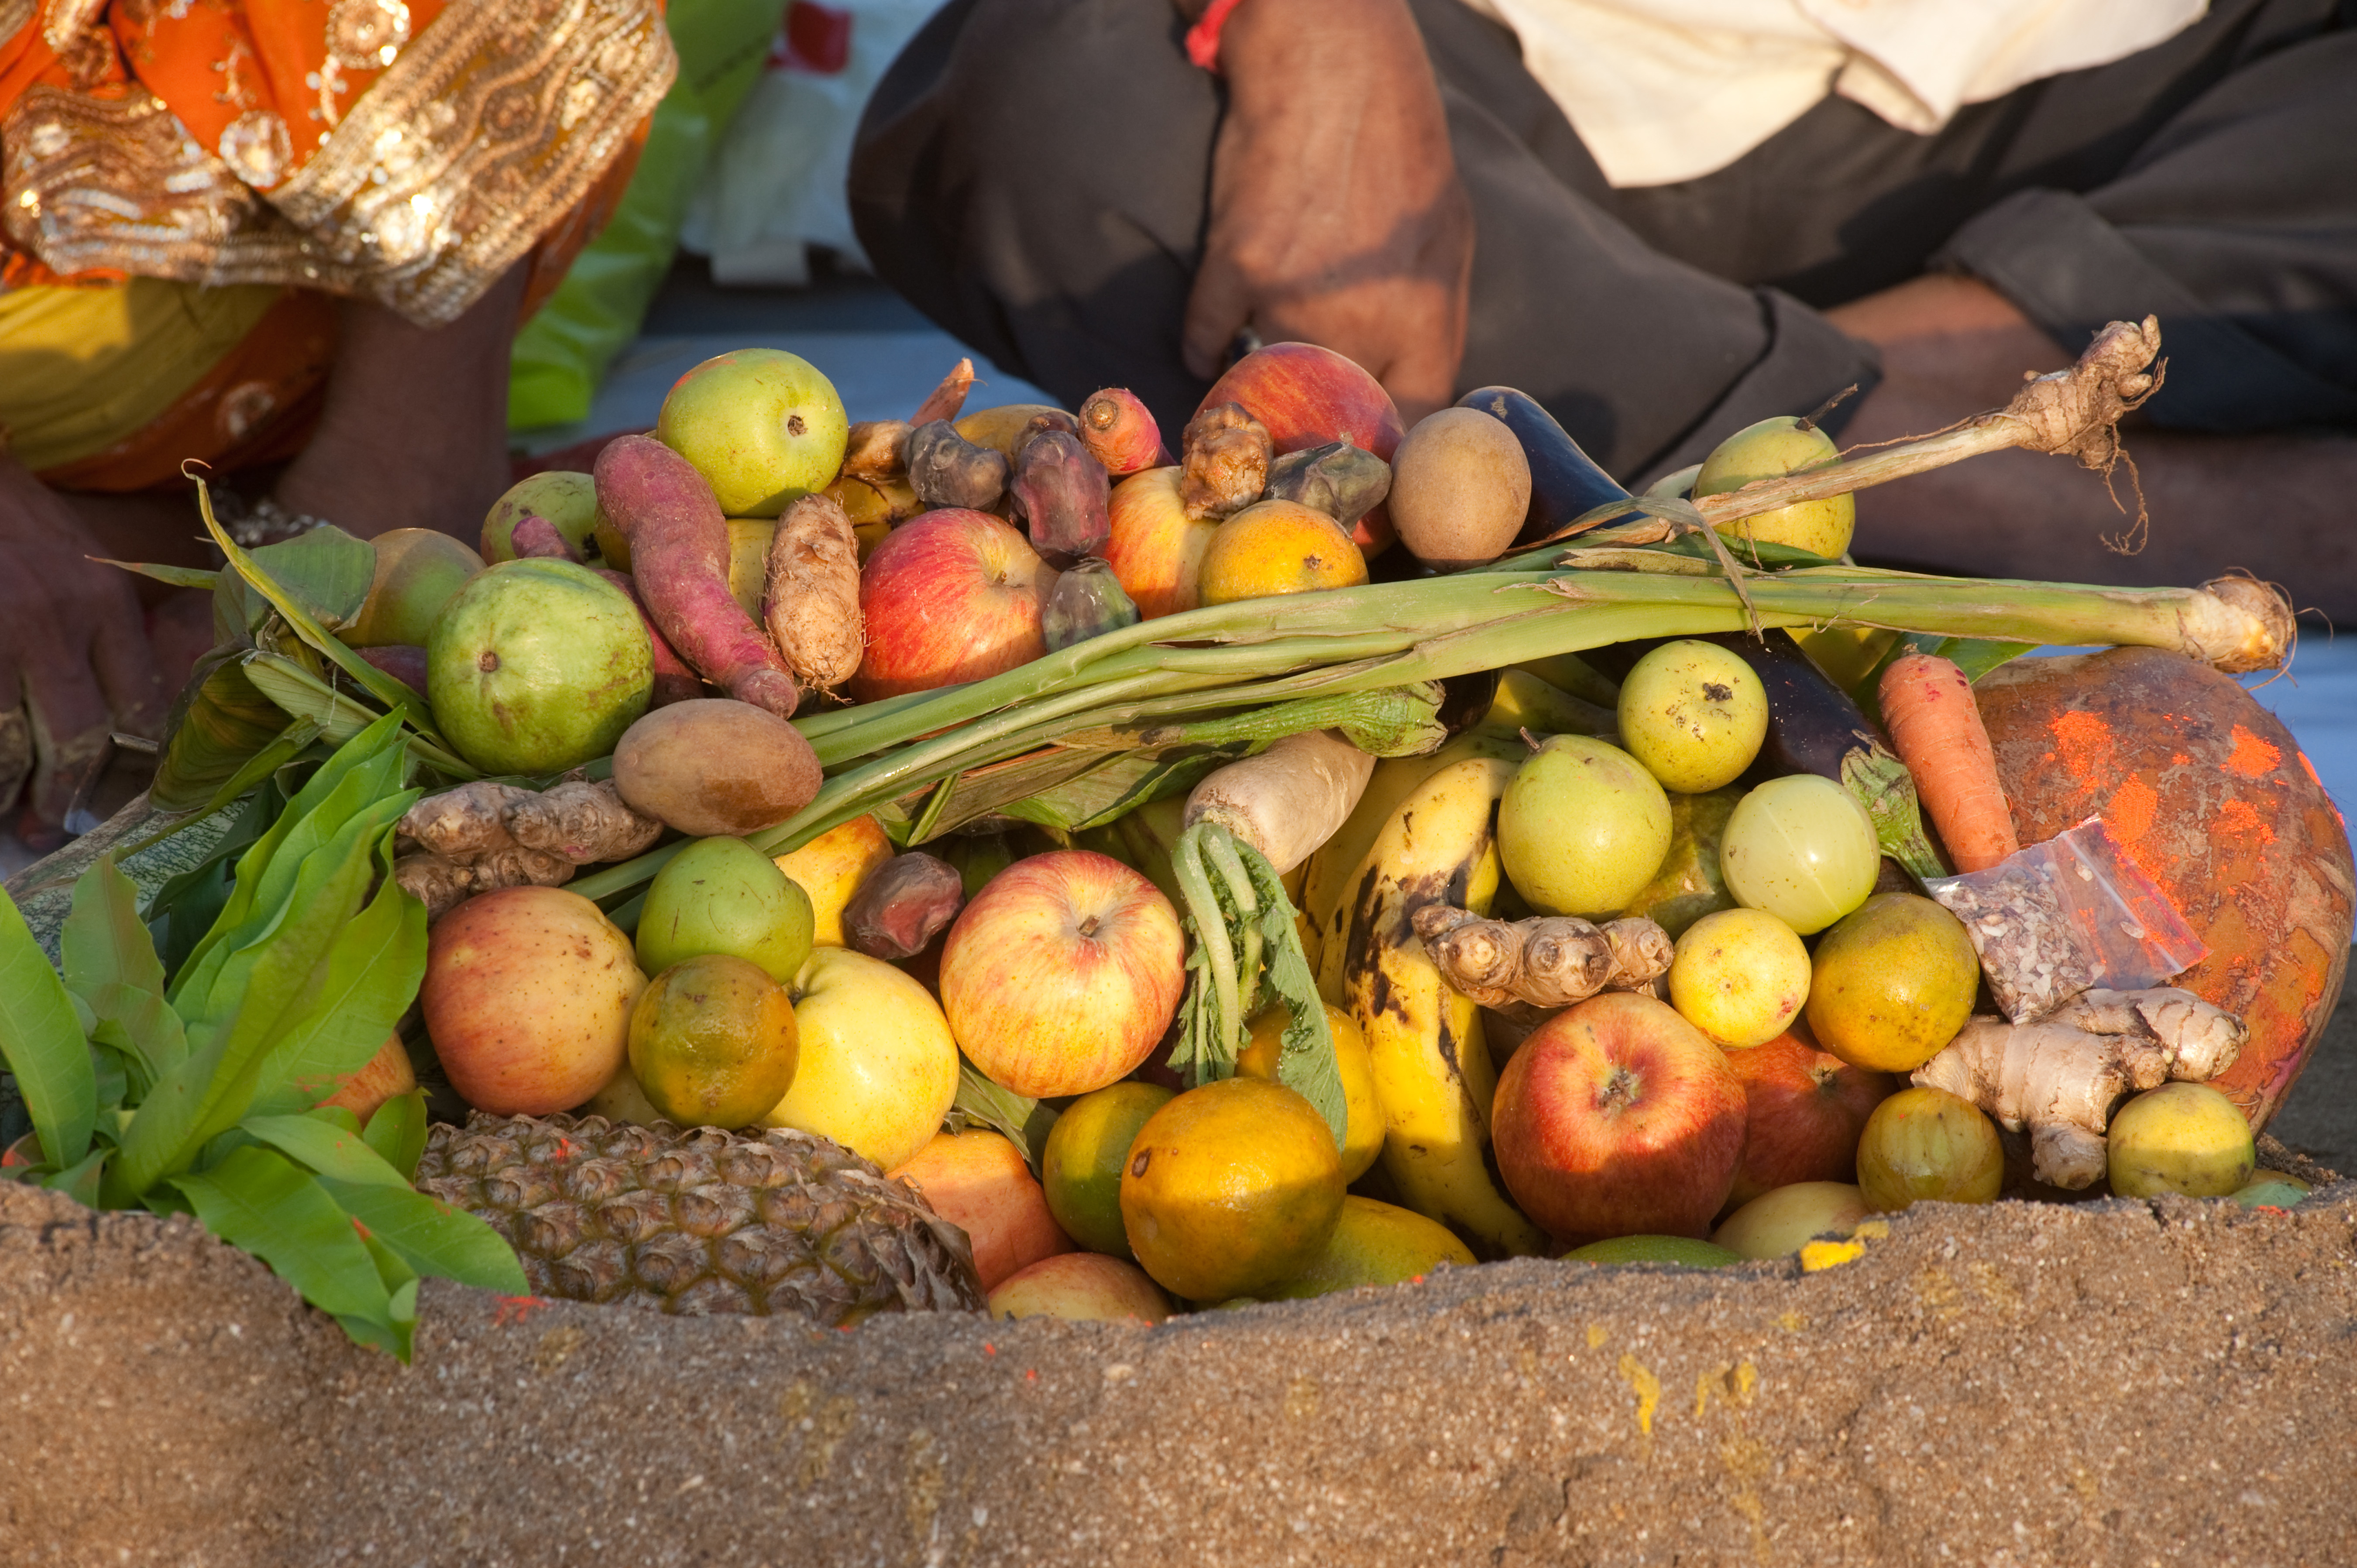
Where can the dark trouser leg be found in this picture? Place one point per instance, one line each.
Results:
(1033, 175)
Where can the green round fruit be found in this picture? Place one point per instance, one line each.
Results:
(761, 426)
(723, 895)
(1373, 1243)
(2182, 1137)
(712, 1042)
(1800, 848)
(1080, 1169)
(537, 666)
(2272, 1189)
(1693, 714)
(418, 570)
(1769, 450)
(1683, 1251)
(1582, 828)
(1926, 1143)
(1892, 982)
(568, 500)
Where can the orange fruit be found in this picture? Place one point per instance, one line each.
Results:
(1351, 1063)
(1231, 1187)
(978, 1181)
(712, 1042)
(1278, 547)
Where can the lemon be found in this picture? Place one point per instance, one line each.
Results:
(2181, 1137)
(712, 1042)
(1365, 1140)
(1229, 1188)
(1081, 1168)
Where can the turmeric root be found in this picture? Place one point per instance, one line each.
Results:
(812, 603)
(1546, 962)
(488, 835)
(2060, 1076)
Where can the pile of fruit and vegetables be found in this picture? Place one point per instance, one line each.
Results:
(1031, 859)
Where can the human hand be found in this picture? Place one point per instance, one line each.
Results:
(75, 663)
(1336, 216)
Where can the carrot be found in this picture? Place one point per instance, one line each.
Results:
(1935, 727)
(945, 399)
(1120, 432)
(679, 559)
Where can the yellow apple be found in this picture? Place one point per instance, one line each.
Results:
(878, 1066)
(831, 867)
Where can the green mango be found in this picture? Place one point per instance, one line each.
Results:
(723, 895)
(1688, 886)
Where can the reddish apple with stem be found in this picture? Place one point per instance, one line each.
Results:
(1307, 396)
(1805, 1111)
(1062, 976)
(1619, 1118)
(949, 596)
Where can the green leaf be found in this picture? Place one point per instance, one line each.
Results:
(83, 1182)
(258, 1200)
(397, 1133)
(141, 1026)
(339, 716)
(326, 570)
(1120, 785)
(178, 577)
(219, 721)
(43, 1043)
(372, 974)
(1304, 1059)
(979, 791)
(432, 1236)
(328, 1149)
(186, 905)
(982, 1103)
(103, 942)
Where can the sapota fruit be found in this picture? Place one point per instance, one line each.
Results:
(1460, 487)
(713, 767)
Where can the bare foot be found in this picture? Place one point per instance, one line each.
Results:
(2273, 505)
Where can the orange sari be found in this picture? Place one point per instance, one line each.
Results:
(407, 152)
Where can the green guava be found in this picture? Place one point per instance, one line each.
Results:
(722, 896)
(536, 666)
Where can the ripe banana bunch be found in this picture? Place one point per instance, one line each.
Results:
(1431, 1066)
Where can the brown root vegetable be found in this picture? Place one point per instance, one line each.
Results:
(945, 401)
(1546, 961)
(1119, 433)
(674, 682)
(536, 537)
(810, 602)
(2218, 806)
(713, 768)
(947, 470)
(679, 554)
(1225, 467)
(583, 820)
(487, 834)
(904, 904)
(442, 883)
(878, 449)
(1062, 492)
(403, 661)
(1344, 481)
(1288, 800)
(465, 822)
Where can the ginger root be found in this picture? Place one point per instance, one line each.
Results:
(2060, 1076)
(487, 835)
(1225, 461)
(1546, 961)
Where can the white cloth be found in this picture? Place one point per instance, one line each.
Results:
(1664, 90)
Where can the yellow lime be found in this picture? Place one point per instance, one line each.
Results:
(1278, 547)
(1892, 982)
(2181, 1137)
(1373, 1245)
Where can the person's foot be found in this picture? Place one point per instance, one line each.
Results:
(2273, 505)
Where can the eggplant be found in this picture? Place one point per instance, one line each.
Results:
(1564, 481)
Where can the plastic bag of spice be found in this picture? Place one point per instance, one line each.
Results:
(2066, 916)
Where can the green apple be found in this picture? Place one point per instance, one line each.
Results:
(417, 572)
(568, 500)
(1769, 450)
(536, 666)
(1682, 1251)
(723, 895)
(761, 426)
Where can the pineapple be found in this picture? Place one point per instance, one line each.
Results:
(699, 1220)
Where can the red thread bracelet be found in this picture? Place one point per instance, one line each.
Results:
(1203, 38)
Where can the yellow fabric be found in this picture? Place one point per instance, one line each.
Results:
(84, 368)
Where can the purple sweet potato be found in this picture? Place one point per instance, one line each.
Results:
(400, 661)
(535, 536)
(679, 556)
(674, 682)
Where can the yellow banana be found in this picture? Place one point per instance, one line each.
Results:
(1431, 1066)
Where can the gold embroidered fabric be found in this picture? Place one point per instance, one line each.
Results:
(476, 133)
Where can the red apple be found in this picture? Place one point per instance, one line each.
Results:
(1156, 550)
(1085, 1287)
(1619, 1118)
(1803, 1112)
(1307, 396)
(951, 596)
(1061, 974)
(364, 1090)
(978, 1181)
(528, 995)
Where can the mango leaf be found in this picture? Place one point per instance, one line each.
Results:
(219, 723)
(258, 1200)
(111, 1077)
(326, 1149)
(431, 1236)
(397, 1336)
(42, 1041)
(372, 974)
(83, 1181)
(103, 942)
(1130, 780)
(325, 570)
(178, 577)
(141, 1025)
(185, 905)
(397, 1133)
